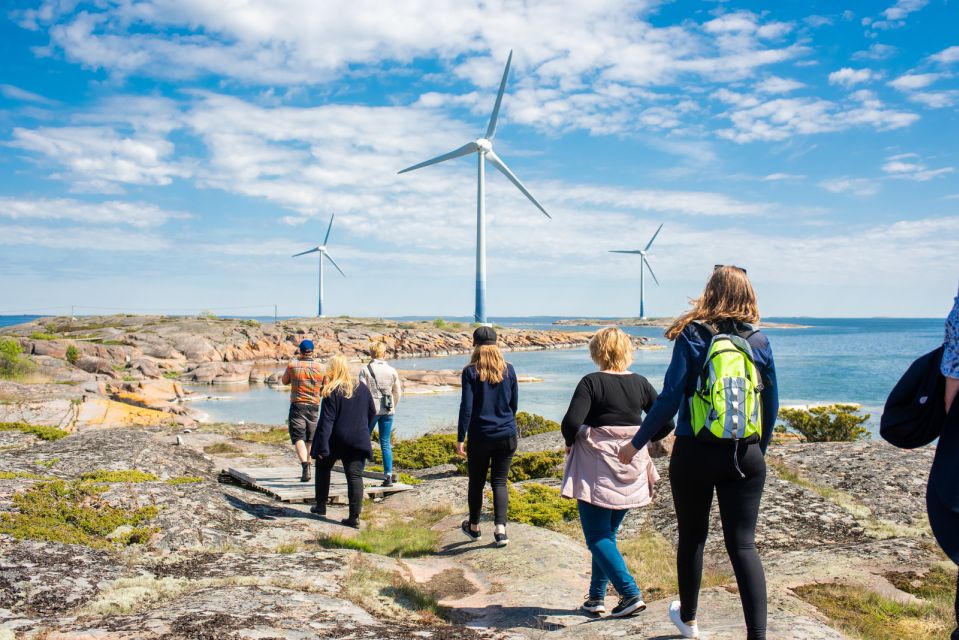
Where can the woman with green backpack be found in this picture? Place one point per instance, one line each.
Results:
(722, 380)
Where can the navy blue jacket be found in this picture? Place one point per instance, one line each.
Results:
(343, 431)
(487, 411)
(689, 355)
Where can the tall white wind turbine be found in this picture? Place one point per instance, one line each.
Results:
(323, 253)
(643, 264)
(483, 148)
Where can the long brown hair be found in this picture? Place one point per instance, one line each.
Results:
(338, 377)
(489, 363)
(728, 296)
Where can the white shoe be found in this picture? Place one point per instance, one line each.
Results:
(688, 629)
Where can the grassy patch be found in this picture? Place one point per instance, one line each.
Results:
(389, 595)
(870, 616)
(221, 448)
(41, 431)
(122, 475)
(16, 475)
(277, 435)
(171, 375)
(530, 424)
(48, 463)
(74, 513)
(390, 534)
(652, 560)
(73, 354)
(184, 480)
(289, 547)
(540, 506)
(39, 335)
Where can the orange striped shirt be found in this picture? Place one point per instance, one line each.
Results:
(306, 380)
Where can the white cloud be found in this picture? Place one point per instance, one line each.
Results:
(936, 99)
(774, 84)
(876, 51)
(907, 166)
(895, 16)
(777, 177)
(946, 56)
(22, 95)
(853, 186)
(849, 77)
(137, 214)
(913, 81)
(81, 238)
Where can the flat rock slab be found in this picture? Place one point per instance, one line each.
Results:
(283, 483)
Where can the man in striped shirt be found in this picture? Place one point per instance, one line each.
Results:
(306, 379)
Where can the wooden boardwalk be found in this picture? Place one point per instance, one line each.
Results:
(283, 483)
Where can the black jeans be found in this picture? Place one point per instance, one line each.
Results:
(945, 527)
(354, 483)
(493, 457)
(695, 469)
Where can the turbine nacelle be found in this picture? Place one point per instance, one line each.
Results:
(484, 145)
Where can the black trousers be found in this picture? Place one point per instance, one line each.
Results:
(354, 483)
(695, 470)
(493, 457)
(945, 527)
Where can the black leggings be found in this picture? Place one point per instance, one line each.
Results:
(945, 527)
(493, 457)
(695, 469)
(354, 483)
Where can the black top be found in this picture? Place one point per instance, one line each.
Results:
(487, 411)
(343, 431)
(608, 400)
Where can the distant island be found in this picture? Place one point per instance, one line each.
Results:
(651, 322)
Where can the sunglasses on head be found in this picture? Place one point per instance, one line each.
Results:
(719, 266)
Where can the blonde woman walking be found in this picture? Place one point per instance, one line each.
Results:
(487, 426)
(343, 434)
(603, 415)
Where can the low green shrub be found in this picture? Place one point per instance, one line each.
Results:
(16, 475)
(250, 323)
(122, 475)
(12, 363)
(73, 354)
(405, 478)
(171, 375)
(41, 431)
(424, 452)
(530, 424)
(539, 464)
(39, 335)
(832, 423)
(74, 512)
(540, 505)
(439, 323)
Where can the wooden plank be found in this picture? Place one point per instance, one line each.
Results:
(283, 483)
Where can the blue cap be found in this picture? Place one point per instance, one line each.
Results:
(306, 345)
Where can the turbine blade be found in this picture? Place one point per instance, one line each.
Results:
(303, 253)
(650, 270)
(653, 238)
(622, 251)
(499, 164)
(491, 129)
(334, 264)
(469, 147)
(328, 229)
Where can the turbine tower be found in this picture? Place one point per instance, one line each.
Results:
(483, 148)
(644, 263)
(323, 253)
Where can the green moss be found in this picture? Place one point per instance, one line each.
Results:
(540, 505)
(530, 424)
(123, 475)
(184, 480)
(15, 475)
(41, 431)
(277, 435)
(222, 447)
(74, 513)
(539, 464)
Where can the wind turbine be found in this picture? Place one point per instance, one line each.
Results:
(642, 265)
(483, 148)
(323, 252)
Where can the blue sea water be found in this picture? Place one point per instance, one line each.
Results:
(829, 360)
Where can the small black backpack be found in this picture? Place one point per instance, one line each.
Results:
(915, 410)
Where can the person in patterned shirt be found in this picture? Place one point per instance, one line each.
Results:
(306, 379)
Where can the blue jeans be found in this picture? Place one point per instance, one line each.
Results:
(599, 527)
(386, 446)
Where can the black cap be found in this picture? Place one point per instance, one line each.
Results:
(484, 336)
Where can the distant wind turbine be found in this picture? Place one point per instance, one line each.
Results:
(642, 265)
(483, 148)
(323, 252)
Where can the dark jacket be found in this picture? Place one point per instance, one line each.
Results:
(487, 411)
(343, 431)
(689, 355)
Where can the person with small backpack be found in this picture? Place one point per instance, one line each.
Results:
(384, 383)
(722, 380)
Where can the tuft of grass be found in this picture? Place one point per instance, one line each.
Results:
(289, 547)
(122, 475)
(40, 335)
(390, 595)
(41, 431)
(871, 616)
(48, 463)
(540, 505)
(530, 424)
(935, 584)
(652, 560)
(393, 535)
(74, 512)
(277, 435)
(183, 480)
(171, 375)
(222, 447)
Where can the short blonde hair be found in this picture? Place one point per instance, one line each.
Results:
(377, 350)
(611, 349)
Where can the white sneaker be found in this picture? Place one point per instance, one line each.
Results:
(688, 629)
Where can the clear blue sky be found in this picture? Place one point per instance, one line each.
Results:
(166, 154)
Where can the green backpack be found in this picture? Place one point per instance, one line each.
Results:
(726, 405)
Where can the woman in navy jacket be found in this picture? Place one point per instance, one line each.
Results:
(736, 471)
